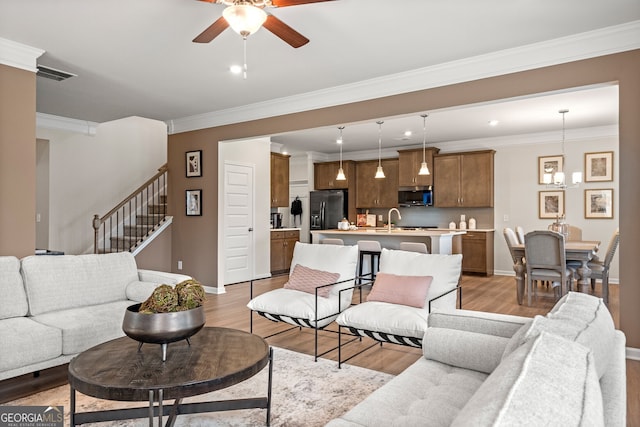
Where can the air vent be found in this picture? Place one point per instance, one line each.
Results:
(53, 74)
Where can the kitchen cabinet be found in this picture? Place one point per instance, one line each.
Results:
(282, 244)
(279, 180)
(477, 252)
(409, 166)
(463, 179)
(377, 192)
(324, 175)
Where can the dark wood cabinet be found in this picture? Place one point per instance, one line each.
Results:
(324, 175)
(477, 252)
(409, 166)
(377, 192)
(282, 245)
(463, 179)
(279, 180)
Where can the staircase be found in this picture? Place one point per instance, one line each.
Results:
(144, 225)
(135, 219)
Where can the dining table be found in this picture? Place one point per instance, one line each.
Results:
(575, 250)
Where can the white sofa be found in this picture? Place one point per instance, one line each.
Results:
(481, 369)
(54, 307)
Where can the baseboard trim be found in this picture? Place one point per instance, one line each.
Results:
(633, 353)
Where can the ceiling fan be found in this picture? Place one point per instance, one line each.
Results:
(247, 16)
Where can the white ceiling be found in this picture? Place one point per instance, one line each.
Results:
(137, 58)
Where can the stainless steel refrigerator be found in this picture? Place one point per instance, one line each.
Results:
(327, 208)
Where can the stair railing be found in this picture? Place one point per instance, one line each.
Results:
(119, 230)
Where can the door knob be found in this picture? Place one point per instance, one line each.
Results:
(250, 228)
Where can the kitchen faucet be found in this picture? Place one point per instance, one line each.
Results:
(389, 217)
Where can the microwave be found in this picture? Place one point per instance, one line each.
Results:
(416, 197)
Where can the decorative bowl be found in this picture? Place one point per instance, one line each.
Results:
(162, 328)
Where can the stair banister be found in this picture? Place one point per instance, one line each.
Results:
(144, 197)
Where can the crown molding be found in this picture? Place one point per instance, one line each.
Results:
(610, 40)
(49, 121)
(493, 143)
(19, 55)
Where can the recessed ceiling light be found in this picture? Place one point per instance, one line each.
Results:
(407, 133)
(235, 69)
(493, 122)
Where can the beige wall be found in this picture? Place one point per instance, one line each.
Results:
(194, 239)
(157, 254)
(17, 161)
(516, 190)
(42, 194)
(114, 162)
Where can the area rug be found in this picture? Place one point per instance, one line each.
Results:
(305, 393)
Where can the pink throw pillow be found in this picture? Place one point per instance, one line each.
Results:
(307, 279)
(405, 290)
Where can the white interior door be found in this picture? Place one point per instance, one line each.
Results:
(238, 223)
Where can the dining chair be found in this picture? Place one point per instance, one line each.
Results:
(511, 238)
(600, 268)
(575, 233)
(546, 260)
(520, 234)
(420, 247)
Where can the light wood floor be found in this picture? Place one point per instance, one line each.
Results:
(494, 294)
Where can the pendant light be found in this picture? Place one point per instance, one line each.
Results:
(557, 179)
(379, 171)
(340, 176)
(424, 169)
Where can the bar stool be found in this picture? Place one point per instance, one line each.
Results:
(339, 242)
(372, 249)
(414, 247)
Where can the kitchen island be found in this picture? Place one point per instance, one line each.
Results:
(439, 241)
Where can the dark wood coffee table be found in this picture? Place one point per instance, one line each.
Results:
(217, 358)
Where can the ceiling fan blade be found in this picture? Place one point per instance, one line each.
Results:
(283, 3)
(285, 32)
(212, 31)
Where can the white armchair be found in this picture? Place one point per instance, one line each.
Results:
(399, 323)
(301, 308)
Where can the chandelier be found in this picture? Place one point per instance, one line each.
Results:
(557, 179)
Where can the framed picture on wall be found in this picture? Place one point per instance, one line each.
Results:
(194, 163)
(550, 204)
(549, 165)
(194, 202)
(598, 166)
(598, 203)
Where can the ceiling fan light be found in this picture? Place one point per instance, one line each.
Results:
(424, 169)
(379, 172)
(245, 19)
(341, 176)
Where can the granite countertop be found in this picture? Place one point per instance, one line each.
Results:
(394, 232)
